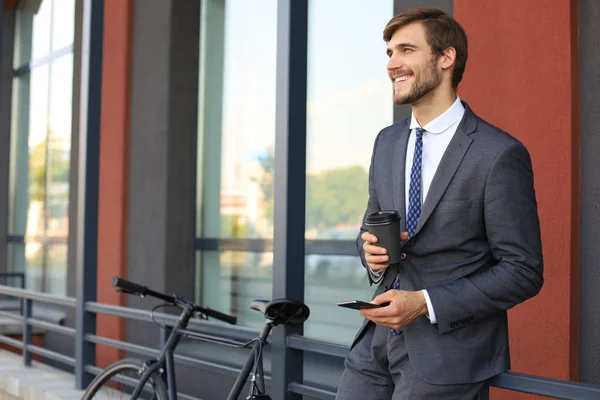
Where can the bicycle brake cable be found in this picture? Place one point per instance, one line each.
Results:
(163, 327)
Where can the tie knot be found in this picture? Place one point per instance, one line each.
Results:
(420, 131)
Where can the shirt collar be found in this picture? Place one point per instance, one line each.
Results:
(454, 113)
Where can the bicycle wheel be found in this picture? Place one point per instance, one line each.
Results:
(118, 380)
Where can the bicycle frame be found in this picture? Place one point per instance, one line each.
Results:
(243, 376)
(166, 357)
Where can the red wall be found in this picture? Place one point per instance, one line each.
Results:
(522, 76)
(114, 153)
(10, 3)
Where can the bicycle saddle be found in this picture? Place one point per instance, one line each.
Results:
(282, 311)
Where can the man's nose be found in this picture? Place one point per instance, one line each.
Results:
(394, 63)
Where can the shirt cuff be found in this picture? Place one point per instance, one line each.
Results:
(376, 276)
(431, 315)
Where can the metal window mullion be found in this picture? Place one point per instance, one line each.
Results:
(45, 245)
(27, 332)
(86, 241)
(290, 186)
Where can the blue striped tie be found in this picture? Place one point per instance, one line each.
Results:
(414, 197)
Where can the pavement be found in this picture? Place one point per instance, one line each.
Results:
(38, 382)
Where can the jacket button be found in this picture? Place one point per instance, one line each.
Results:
(403, 256)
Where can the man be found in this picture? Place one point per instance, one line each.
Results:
(472, 247)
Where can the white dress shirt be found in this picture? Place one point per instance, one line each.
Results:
(438, 134)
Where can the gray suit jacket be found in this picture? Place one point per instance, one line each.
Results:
(477, 249)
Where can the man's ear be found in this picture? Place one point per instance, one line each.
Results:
(448, 58)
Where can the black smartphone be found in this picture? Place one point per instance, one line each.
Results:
(357, 304)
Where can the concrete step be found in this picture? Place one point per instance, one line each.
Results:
(38, 382)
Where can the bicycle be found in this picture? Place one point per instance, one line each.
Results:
(154, 379)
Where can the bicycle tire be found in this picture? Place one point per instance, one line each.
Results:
(119, 367)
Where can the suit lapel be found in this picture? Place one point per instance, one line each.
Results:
(457, 148)
(398, 173)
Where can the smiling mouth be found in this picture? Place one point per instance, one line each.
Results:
(402, 79)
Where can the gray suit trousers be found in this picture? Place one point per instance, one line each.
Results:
(378, 368)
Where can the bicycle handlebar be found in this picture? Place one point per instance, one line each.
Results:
(144, 291)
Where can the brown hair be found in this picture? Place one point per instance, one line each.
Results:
(441, 30)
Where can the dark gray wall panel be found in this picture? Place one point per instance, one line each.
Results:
(589, 45)
(162, 175)
(7, 29)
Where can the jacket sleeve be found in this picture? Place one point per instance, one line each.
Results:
(513, 231)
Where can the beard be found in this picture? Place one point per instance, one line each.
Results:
(421, 86)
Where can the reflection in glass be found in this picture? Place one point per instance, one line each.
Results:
(41, 31)
(56, 271)
(349, 102)
(63, 23)
(34, 262)
(237, 136)
(59, 146)
(16, 258)
(237, 278)
(38, 131)
(240, 203)
(330, 280)
(41, 142)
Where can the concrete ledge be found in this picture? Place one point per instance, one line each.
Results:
(38, 382)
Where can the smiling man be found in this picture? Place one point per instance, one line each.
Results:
(471, 235)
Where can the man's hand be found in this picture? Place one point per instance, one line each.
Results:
(404, 308)
(376, 256)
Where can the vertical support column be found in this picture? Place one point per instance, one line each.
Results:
(26, 332)
(162, 152)
(5, 146)
(87, 185)
(114, 172)
(290, 186)
(209, 287)
(589, 83)
(19, 136)
(74, 155)
(7, 28)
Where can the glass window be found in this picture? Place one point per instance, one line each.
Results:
(349, 102)
(41, 30)
(34, 268)
(63, 23)
(236, 145)
(41, 143)
(233, 279)
(59, 146)
(56, 274)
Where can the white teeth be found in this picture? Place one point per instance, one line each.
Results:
(401, 79)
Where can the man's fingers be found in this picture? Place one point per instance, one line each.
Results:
(368, 237)
(403, 235)
(376, 259)
(374, 250)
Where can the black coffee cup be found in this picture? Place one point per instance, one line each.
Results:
(386, 226)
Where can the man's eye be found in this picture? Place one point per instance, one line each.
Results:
(406, 50)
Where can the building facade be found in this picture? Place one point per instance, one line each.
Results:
(234, 143)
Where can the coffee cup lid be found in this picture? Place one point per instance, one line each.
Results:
(380, 217)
